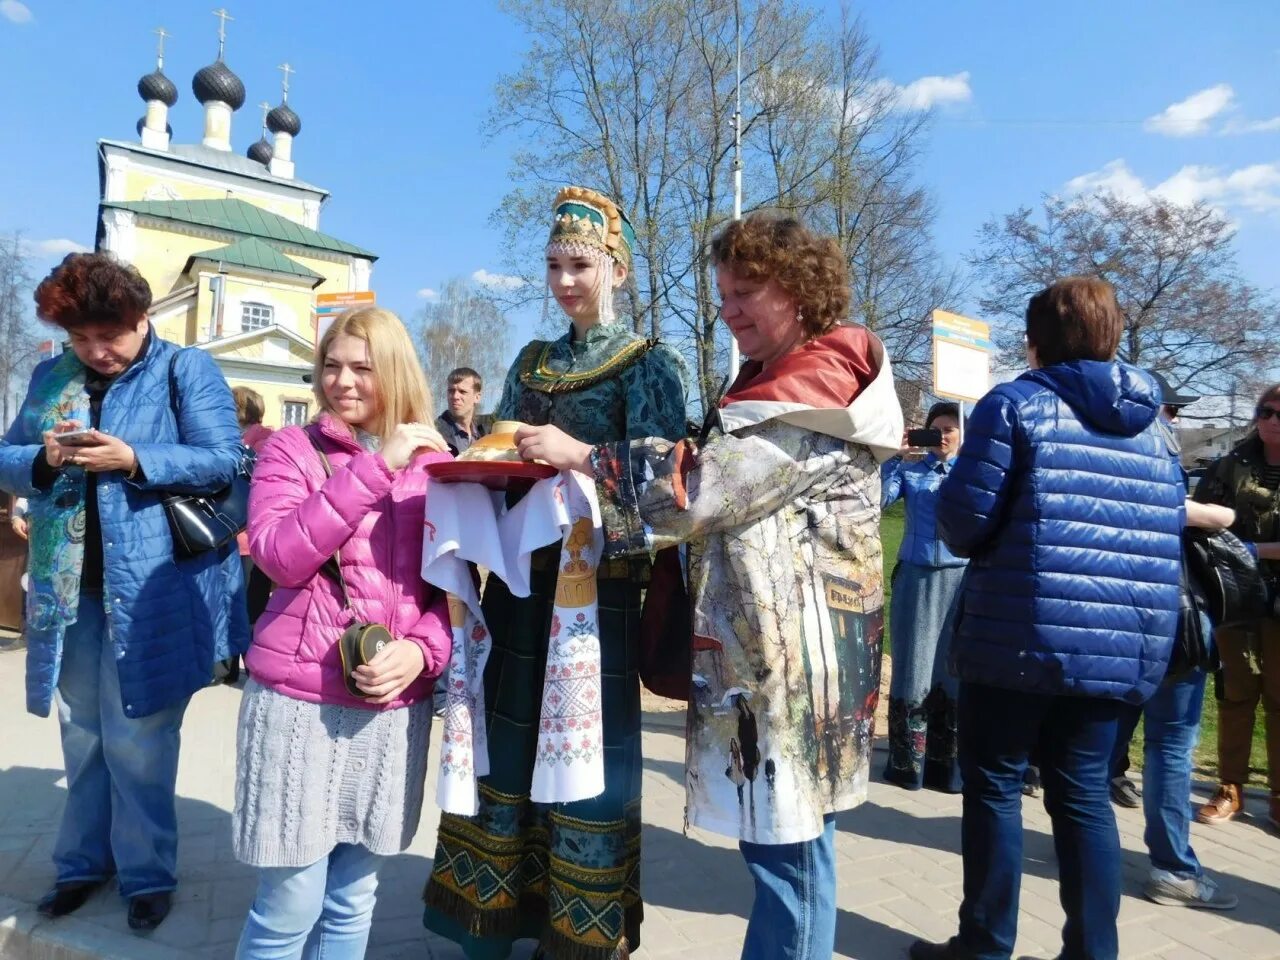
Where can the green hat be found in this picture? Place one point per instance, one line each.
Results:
(587, 218)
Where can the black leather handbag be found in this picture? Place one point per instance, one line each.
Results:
(200, 522)
(1234, 589)
(1191, 648)
(361, 641)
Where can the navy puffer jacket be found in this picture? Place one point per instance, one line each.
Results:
(1067, 504)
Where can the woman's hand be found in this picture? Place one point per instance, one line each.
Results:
(552, 445)
(55, 452)
(1209, 516)
(20, 526)
(407, 441)
(102, 454)
(393, 668)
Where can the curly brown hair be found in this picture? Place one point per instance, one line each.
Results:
(809, 267)
(92, 288)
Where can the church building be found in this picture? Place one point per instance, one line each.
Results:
(230, 244)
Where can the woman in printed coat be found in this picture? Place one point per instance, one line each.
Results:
(779, 503)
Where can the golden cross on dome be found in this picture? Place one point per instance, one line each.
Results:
(163, 34)
(286, 70)
(223, 17)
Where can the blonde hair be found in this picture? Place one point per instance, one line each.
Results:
(402, 387)
(250, 407)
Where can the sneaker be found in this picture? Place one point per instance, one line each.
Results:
(1223, 805)
(1124, 793)
(1170, 890)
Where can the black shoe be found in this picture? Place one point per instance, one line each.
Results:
(951, 950)
(67, 898)
(1124, 793)
(148, 910)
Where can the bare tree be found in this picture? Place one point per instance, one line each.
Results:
(1188, 313)
(637, 98)
(465, 327)
(19, 343)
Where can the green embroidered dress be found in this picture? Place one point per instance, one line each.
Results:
(567, 874)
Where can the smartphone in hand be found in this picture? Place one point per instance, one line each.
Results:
(924, 438)
(83, 437)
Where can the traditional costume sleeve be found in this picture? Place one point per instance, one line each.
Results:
(654, 395)
(654, 493)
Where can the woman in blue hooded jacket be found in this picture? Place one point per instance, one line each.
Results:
(1070, 511)
(926, 581)
(118, 627)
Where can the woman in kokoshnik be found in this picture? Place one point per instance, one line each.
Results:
(560, 872)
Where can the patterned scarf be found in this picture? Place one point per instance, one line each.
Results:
(57, 517)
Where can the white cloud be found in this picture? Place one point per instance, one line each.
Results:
(1192, 116)
(1255, 188)
(929, 92)
(1115, 178)
(15, 12)
(500, 281)
(1237, 126)
(426, 293)
(55, 247)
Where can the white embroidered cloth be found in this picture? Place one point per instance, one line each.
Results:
(467, 522)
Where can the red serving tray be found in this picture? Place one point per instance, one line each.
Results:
(494, 474)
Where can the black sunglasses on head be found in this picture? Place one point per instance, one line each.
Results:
(1266, 413)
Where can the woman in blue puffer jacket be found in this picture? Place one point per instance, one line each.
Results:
(1070, 511)
(122, 630)
(926, 582)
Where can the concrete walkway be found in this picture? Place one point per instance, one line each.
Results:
(900, 874)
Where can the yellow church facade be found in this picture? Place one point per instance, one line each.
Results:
(229, 243)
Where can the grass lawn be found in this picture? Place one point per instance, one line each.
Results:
(891, 524)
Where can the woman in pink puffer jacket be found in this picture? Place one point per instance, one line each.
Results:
(327, 782)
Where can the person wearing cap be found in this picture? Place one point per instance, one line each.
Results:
(1171, 719)
(566, 873)
(1124, 792)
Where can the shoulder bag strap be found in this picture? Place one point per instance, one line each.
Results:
(333, 566)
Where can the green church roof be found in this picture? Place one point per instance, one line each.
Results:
(252, 252)
(240, 216)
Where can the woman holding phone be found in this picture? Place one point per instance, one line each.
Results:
(926, 580)
(120, 631)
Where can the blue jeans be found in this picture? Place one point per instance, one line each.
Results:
(1173, 727)
(794, 913)
(338, 891)
(1074, 736)
(1130, 715)
(122, 772)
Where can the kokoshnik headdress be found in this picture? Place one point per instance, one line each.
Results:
(585, 222)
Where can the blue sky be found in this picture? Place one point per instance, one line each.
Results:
(1028, 98)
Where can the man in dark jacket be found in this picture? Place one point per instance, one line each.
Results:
(461, 425)
(1070, 510)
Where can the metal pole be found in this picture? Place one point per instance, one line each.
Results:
(734, 358)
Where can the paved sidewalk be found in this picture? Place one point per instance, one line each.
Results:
(899, 866)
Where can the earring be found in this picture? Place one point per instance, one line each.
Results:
(799, 314)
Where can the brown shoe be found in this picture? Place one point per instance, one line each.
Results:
(1224, 804)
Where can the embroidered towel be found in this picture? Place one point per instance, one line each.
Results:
(466, 522)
